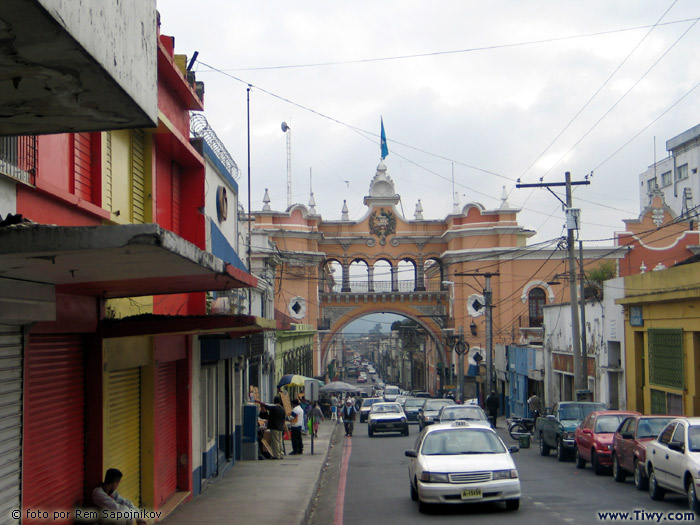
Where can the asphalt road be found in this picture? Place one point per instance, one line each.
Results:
(377, 489)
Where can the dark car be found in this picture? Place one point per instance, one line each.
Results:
(630, 446)
(367, 406)
(430, 409)
(411, 406)
(594, 438)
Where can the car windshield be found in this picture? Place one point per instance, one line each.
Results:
(392, 390)
(437, 404)
(461, 441)
(383, 409)
(413, 403)
(453, 414)
(608, 424)
(369, 402)
(578, 411)
(694, 438)
(652, 427)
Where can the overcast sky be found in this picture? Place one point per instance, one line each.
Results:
(503, 90)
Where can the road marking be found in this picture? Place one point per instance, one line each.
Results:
(340, 501)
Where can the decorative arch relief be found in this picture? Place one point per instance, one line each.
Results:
(533, 284)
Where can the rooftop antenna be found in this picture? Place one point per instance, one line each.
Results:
(287, 130)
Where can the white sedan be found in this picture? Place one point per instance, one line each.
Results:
(462, 462)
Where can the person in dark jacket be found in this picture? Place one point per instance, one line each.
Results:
(275, 423)
(493, 404)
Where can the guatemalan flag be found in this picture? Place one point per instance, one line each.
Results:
(385, 150)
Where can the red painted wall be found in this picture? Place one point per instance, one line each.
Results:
(55, 160)
(45, 209)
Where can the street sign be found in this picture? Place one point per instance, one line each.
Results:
(311, 390)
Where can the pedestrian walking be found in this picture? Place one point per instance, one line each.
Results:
(316, 417)
(493, 404)
(348, 414)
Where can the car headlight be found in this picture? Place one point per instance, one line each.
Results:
(434, 477)
(568, 435)
(505, 474)
(608, 447)
(403, 419)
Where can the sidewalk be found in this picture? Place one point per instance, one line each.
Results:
(264, 491)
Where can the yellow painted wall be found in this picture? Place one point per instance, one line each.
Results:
(670, 299)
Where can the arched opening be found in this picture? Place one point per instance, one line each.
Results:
(433, 274)
(382, 276)
(359, 276)
(536, 299)
(331, 280)
(406, 275)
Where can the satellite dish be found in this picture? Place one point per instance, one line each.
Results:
(475, 305)
(285, 127)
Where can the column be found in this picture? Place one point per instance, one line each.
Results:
(346, 278)
(394, 278)
(370, 278)
(420, 275)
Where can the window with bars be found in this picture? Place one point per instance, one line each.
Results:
(536, 302)
(666, 358)
(666, 403)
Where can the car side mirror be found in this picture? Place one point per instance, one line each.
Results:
(411, 454)
(513, 449)
(627, 435)
(675, 445)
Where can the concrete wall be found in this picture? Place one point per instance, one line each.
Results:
(121, 37)
(8, 196)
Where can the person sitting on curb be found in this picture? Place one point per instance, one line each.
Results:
(108, 499)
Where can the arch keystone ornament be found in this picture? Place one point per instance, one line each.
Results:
(382, 224)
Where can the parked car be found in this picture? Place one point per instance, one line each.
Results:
(630, 444)
(556, 429)
(386, 417)
(462, 462)
(367, 406)
(461, 413)
(594, 438)
(430, 409)
(411, 407)
(673, 461)
(391, 392)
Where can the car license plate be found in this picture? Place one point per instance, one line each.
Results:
(472, 494)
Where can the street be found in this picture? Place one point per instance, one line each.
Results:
(377, 488)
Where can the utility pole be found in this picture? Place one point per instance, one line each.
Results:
(488, 318)
(572, 216)
(584, 343)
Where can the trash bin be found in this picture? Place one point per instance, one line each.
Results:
(523, 440)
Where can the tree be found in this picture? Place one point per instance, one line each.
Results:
(595, 278)
(377, 329)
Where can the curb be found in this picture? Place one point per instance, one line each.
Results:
(310, 504)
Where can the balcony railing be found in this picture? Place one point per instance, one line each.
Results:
(18, 158)
(386, 287)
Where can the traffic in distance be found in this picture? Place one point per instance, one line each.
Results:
(458, 457)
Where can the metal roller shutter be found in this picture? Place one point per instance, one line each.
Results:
(166, 427)
(54, 423)
(123, 430)
(10, 420)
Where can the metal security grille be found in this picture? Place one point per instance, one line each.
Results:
(666, 358)
(658, 401)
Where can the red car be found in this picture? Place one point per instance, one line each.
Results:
(594, 438)
(630, 444)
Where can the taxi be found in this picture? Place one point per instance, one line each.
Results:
(462, 462)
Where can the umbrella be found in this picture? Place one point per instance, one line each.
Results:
(295, 380)
(338, 386)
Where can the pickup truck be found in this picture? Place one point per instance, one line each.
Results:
(556, 429)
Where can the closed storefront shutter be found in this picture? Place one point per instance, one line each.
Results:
(138, 177)
(10, 420)
(82, 165)
(123, 430)
(166, 429)
(54, 423)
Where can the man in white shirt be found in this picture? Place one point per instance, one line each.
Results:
(296, 423)
(108, 499)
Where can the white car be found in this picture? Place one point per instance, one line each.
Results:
(673, 461)
(462, 462)
(386, 417)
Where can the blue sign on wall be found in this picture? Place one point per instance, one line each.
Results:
(636, 316)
